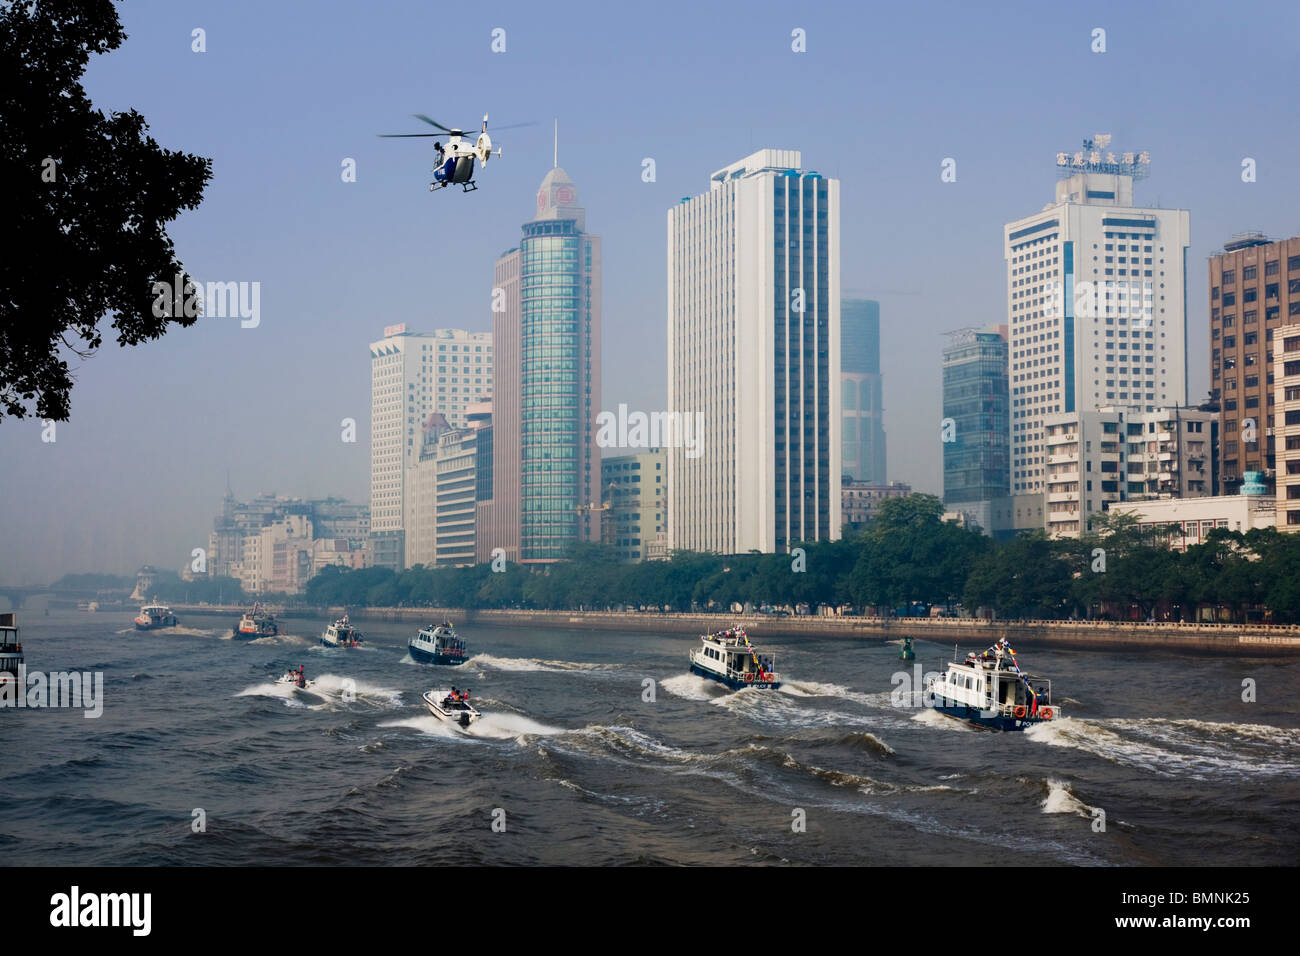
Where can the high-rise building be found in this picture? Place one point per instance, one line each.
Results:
(546, 465)
(862, 391)
(1286, 424)
(1254, 291)
(413, 375)
(754, 347)
(636, 491)
(1097, 459)
(1096, 303)
(976, 434)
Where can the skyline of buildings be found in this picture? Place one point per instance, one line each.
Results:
(756, 333)
(754, 348)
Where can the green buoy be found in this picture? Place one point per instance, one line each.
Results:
(907, 654)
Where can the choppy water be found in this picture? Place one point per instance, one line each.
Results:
(588, 772)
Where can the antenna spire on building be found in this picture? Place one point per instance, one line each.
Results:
(557, 143)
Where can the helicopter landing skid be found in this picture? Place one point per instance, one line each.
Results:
(469, 187)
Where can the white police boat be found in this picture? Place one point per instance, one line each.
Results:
(990, 690)
(452, 705)
(341, 634)
(729, 658)
(437, 645)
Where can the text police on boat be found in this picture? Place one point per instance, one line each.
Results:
(990, 690)
(437, 645)
(729, 658)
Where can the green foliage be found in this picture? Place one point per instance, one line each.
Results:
(87, 200)
(907, 554)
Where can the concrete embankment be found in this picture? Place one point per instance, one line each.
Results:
(1227, 639)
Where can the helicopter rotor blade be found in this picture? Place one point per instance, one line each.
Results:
(404, 135)
(496, 128)
(431, 122)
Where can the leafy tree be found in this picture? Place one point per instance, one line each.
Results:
(87, 199)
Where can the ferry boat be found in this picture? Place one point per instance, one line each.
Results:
(341, 634)
(437, 645)
(990, 690)
(453, 705)
(256, 623)
(154, 616)
(11, 649)
(729, 658)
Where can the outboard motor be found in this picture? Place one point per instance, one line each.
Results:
(464, 719)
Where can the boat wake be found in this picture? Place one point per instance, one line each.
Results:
(693, 687)
(777, 708)
(932, 718)
(807, 688)
(1194, 748)
(534, 665)
(346, 688)
(487, 727)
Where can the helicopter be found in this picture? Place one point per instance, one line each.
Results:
(455, 160)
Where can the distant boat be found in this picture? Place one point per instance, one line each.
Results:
(11, 648)
(155, 616)
(990, 690)
(729, 658)
(256, 623)
(437, 645)
(341, 634)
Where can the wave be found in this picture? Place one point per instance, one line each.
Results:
(1195, 748)
(801, 688)
(1061, 799)
(693, 687)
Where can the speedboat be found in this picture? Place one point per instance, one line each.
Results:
(729, 658)
(437, 645)
(341, 634)
(296, 678)
(154, 616)
(990, 690)
(451, 705)
(256, 623)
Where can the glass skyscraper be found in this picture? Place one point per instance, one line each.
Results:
(551, 326)
(976, 461)
(862, 391)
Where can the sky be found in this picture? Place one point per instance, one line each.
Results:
(884, 93)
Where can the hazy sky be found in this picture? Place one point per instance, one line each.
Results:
(286, 92)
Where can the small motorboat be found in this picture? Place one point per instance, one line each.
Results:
(297, 678)
(451, 705)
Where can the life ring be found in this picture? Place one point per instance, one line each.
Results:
(749, 678)
(1019, 711)
(1047, 713)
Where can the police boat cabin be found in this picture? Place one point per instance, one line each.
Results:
(990, 690)
(729, 658)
